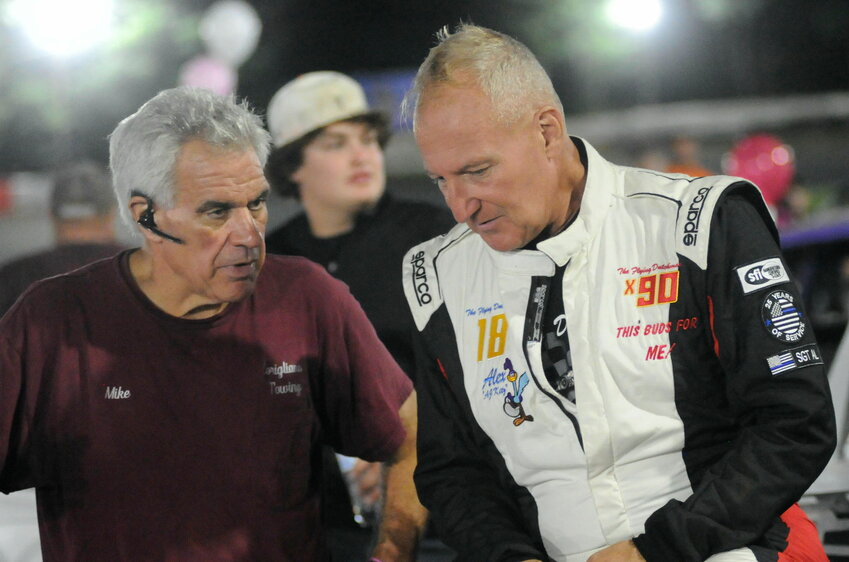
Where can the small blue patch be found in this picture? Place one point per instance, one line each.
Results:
(795, 358)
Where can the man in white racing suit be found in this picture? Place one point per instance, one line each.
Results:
(612, 363)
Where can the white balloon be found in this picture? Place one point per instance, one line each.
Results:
(230, 30)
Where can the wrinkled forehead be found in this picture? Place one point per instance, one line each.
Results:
(440, 93)
(202, 166)
(453, 107)
(454, 136)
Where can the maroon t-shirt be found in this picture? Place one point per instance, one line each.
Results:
(150, 437)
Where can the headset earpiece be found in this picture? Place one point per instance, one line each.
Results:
(147, 221)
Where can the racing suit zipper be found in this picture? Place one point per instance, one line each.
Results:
(540, 290)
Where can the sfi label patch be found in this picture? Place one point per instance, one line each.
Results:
(795, 358)
(762, 274)
(781, 317)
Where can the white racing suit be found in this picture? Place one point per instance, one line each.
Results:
(702, 409)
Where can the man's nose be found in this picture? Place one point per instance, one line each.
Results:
(246, 230)
(460, 202)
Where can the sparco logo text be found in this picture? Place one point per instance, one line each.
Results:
(694, 214)
(420, 279)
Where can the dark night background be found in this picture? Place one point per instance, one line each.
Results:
(52, 112)
(712, 69)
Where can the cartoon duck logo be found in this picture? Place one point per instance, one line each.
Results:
(513, 400)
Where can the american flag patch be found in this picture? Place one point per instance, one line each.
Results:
(795, 358)
(780, 363)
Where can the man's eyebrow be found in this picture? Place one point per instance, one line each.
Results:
(207, 206)
(262, 195)
(213, 205)
(472, 166)
(328, 134)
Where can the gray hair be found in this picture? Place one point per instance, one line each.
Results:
(505, 70)
(143, 148)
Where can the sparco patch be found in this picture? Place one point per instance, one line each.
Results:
(762, 274)
(795, 358)
(419, 278)
(781, 317)
(694, 216)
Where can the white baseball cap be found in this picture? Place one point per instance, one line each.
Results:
(311, 101)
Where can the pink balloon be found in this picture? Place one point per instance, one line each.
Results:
(207, 72)
(765, 161)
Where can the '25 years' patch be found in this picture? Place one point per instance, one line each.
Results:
(781, 317)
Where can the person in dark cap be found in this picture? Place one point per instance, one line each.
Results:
(82, 208)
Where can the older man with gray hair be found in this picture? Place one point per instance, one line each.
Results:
(170, 403)
(612, 362)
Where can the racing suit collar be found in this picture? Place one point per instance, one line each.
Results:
(604, 183)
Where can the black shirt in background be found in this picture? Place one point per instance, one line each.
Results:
(368, 259)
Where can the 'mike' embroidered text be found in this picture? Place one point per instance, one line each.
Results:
(116, 393)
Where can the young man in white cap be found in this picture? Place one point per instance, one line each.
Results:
(329, 155)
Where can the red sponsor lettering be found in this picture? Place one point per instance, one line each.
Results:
(657, 352)
(658, 288)
(686, 324)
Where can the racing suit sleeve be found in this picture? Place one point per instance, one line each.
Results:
(785, 417)
(476, 512)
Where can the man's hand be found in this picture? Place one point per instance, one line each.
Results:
(403, 517)
(624, 551)
(368, 479)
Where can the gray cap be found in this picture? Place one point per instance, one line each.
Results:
(311, 101)
(82, 191)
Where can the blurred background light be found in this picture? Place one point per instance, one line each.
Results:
(636, 15)
(61, 28)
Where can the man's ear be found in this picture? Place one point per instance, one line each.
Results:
(138, 204)
(550, 123)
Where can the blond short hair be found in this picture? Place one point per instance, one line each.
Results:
(505, 70)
